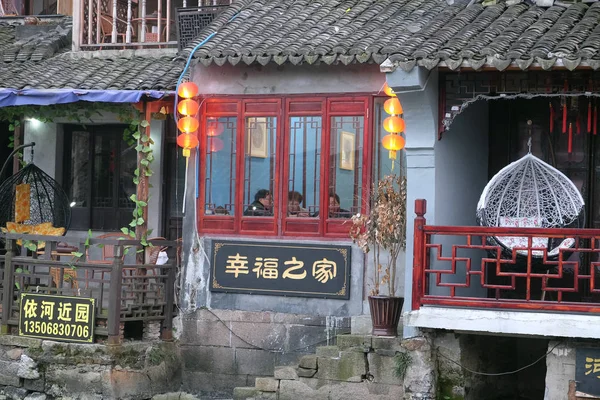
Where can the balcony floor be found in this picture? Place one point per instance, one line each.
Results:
(503, 322)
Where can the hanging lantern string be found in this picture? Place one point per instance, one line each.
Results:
(185, 184)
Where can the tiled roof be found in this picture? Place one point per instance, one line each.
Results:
(40, 46)
(62, 71)
(449, 33)
(44, 61)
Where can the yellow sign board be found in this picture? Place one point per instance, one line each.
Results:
(65, 318)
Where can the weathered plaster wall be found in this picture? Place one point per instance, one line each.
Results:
(461, 173)
(287, 79)
(418, 93)
(560, 370)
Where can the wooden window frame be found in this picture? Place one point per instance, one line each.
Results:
(90, 216)
(283, 108)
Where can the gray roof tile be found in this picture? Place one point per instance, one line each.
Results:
(38, 62)
(37, 47)
(136, 73)
(408, 32)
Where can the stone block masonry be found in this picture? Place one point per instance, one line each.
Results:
(33, 369)
(224, 349)
(356, 368)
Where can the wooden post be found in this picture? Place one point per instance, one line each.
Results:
(166, 332)
(114, 303)
(8, 285)
(142, 187)
(419, 254)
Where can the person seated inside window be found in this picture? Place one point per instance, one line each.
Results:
(221, 210)
(335, 211)
(294, 209)
(262, 205)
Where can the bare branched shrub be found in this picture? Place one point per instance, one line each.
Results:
(384, 228)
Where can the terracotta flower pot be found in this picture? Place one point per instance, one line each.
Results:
(385, 314)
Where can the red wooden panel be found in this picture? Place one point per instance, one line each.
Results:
(338, 227)
(221, 108)
(347, 106)
(306, 107)
(218, 224)
(301, 226)
(261, 107)
(257, 224)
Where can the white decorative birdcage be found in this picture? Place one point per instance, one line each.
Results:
(530, 193)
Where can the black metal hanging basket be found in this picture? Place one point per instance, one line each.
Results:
(48, 200)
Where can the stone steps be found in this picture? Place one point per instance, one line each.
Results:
(358, 367)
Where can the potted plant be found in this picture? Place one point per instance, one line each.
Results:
(383, 233)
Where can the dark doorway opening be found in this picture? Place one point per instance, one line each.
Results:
(499, 355)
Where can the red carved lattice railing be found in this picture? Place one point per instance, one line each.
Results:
(465, 266)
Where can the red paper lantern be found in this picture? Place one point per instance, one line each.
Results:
(187, 124)
(393, 142)
(187, 141)
(188, 107)
(388, 90)
(392, 106)
(394, 124)
(187, 90)
(216, 144)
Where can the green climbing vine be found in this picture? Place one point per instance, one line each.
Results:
(83, 113)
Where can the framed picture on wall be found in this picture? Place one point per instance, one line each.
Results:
(256, 137)
(347, 150)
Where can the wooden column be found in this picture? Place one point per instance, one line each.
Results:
(142, 187)
(419, 254)
(114, 308)
(8, 285)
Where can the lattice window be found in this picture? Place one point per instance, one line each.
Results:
(260, 162)
(220, 170)
(345, 168)
(192, 20)
(304, 174)
(272, 177)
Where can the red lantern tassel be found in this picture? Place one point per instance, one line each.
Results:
(564, 122)
(551, 119)
(595, 119)
(570, 145)
(578, 126)
(589, 116)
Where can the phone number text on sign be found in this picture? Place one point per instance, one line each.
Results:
(57, 317)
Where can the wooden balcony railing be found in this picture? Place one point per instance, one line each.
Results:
(467, 266)
(122, 24)
(124, 291)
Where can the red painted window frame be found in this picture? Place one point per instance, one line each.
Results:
(280, 225)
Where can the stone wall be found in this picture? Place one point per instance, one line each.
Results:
(224, 349)
(39, 369)
(357, 368)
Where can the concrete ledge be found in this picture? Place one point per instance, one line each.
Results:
(506, 322)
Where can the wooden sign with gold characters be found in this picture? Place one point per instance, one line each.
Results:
(281, 269)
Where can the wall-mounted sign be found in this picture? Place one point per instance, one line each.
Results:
(587, 370)
(281, 269)
(64, 318)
